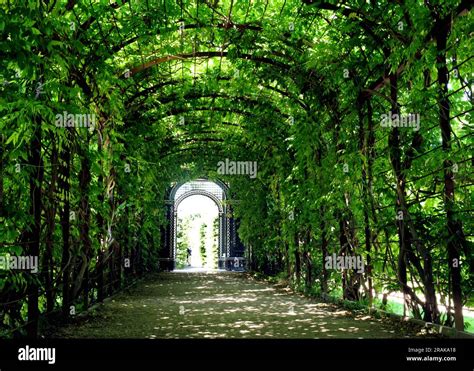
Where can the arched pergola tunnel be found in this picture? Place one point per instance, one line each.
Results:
(356, 116)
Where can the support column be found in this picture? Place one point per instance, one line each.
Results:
(166, 260)
(222, 245)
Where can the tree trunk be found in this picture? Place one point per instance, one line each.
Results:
(324, 249)
(66, 225)
(34, 232)
(363, 147)
(50, 214)
(84, 217)
(395, 159)
(307, 259)
(297, 255)
(455, 234)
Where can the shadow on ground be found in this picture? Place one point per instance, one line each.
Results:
(224, 305)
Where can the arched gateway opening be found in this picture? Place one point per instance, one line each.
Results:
(230, 249)
(197, 231)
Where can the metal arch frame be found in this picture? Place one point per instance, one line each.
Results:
(223, 240)
(199, 192)
(227, 226)
(174, 188)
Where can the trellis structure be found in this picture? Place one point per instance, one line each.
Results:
(230, 248)
(298, 86)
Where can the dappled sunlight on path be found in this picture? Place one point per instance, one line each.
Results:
(217, 304)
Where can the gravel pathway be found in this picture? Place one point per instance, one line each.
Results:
(186, 304)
